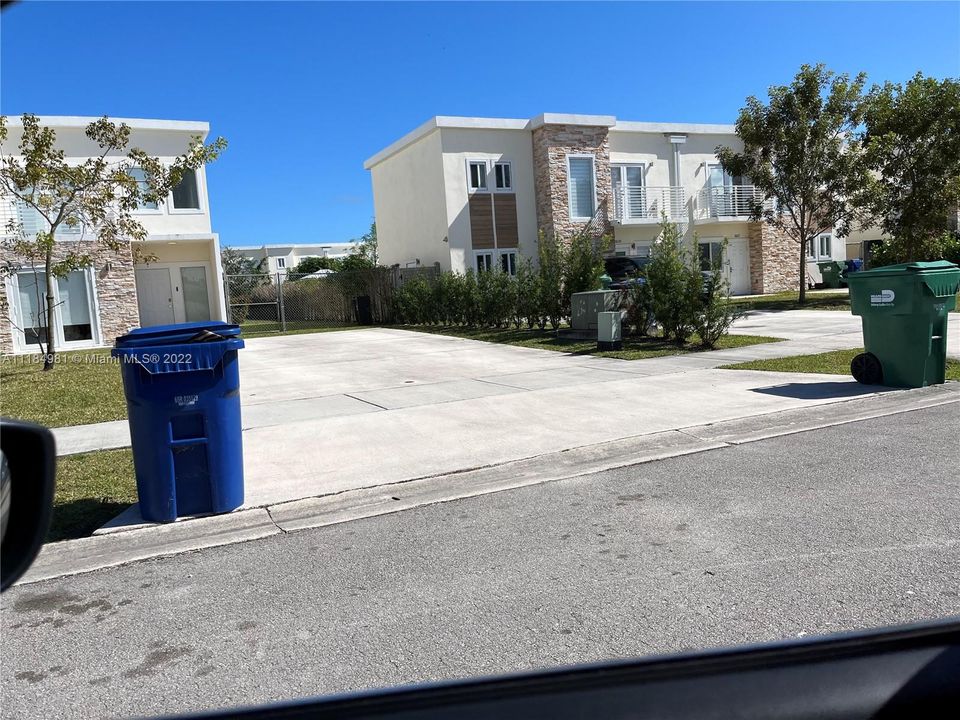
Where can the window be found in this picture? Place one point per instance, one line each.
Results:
(503, 175)
(711, 253)
(185, 194)
(73, 318)
(580, 187)
(478, 176)
(824, 246)
(281, 263)
(821, 248)
(484, 261)
(143, 186)
(508, 261)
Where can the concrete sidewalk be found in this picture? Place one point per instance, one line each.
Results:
(125, 543)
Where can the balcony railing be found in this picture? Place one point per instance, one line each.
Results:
(649, 204)
(728, 201)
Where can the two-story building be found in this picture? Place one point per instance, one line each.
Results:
(475, 192)
(174, 275)
(283, 258)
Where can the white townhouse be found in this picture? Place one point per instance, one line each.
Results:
(284, 258)
(474, 192)
(180, 279)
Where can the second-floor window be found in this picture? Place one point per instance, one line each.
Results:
(281, 263)
(503, 175)
(478, 176)
(186, 195)
(581, 187)
(140, 176)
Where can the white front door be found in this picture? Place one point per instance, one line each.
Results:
(173, 293)
(738, 256)
(155, 296)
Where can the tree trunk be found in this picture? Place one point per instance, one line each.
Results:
(803, 272)
(48, 358)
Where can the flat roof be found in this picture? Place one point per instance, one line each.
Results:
(80, 121)
(482, 123)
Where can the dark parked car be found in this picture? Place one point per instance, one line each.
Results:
(625, 271)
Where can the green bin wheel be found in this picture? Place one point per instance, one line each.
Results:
(867, 369)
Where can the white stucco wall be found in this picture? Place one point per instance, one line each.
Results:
(461, 145)
(409, 205)
(164, 139)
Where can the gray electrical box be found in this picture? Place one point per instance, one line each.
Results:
(584, 307)
(609, 336)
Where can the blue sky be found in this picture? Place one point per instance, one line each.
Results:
(304, 92)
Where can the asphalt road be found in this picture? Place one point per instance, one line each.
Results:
(848, 527)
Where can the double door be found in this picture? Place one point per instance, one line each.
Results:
(173, 293)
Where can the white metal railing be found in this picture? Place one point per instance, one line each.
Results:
(632, 202)
(729, 201)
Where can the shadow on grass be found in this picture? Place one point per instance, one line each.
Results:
(79, 518)
(820, 390)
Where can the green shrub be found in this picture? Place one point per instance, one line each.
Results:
(675, 284)
(582, 262)
(550, 298)
(526, 308)
(637, 301)
(716, 313)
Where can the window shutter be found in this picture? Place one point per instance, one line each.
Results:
(581, 187)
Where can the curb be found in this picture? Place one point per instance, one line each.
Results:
(118, 548)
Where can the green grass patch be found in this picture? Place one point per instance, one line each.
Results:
(634, 348)
(92, 488)
(267, 328)
(816, 300)
(84, 386)
(836, 362)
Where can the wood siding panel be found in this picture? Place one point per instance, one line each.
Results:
(505, 205)
(481, 221)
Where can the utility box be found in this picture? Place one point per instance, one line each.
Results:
(585, 306)
(609, 332)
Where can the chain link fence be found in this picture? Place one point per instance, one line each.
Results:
(265, 303)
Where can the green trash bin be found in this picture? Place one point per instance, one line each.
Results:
(832, 272)
(904, 313)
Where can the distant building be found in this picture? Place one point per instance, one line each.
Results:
(283, 258)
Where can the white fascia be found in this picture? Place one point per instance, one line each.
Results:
(567, 119)
(674, 128)
(196, 127)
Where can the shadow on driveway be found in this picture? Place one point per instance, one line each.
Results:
(821, 390)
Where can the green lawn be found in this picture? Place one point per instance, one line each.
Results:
(258, 328)
(634, 348)
(830, 363)
(83, 387)
(816, 300)
(91, 489)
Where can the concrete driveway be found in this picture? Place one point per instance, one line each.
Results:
(330, 412)
(826, 329)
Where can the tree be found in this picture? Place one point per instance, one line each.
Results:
(912, 146)
(235, 262)
(312, 264)
(800, 151)
(96, 198)
(367, 245)
(675, 284)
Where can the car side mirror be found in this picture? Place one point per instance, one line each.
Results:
(28, 459)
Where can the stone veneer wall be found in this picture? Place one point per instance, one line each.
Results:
(115, 288)
(774, 260)
(551, 145)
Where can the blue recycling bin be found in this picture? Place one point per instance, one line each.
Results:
(182, 384)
